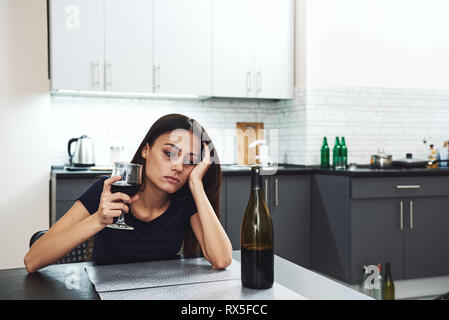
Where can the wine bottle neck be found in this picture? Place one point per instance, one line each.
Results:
(256, 179)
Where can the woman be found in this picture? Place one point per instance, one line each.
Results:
(169, 215)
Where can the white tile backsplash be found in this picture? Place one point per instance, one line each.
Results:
(393, 118)
(125, 121)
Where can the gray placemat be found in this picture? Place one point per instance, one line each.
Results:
(158, 273)
(215, 290)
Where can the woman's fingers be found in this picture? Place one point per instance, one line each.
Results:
(108, 182)
(118, 206)
(120, 196)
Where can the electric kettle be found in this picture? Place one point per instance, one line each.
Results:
(84, 152)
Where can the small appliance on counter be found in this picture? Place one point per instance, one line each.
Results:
(83, 157)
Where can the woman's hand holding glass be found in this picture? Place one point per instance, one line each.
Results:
(112, 204)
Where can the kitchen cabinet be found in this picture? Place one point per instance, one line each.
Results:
(77, 47)
(288, 199)
(183, 47)
(100, 45)
(173, 47)
(65, 190)
(289, 202)
(376, 236)
(237, 195)
(128, 46)
(253, 55)
(364, 221)
(426, 237)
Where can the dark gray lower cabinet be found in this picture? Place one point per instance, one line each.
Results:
(288, 199)
(237, 196)
(351, 228)
(290, 212)
(426, 237)
(376, 236)
(63, 194)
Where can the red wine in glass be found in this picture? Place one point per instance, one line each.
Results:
(129, 188)
(131, 180)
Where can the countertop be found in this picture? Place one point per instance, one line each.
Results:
(282, 169)
(50, 283)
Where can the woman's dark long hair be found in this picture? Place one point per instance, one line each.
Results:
(211, 181)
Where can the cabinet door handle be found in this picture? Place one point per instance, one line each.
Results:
(109, 81)
(276, 183)
(258, 81)
(157, 75)
(248, 83)
(97, 72)
(411, 215)
(401, 212)
(408, 187)
(266, 191)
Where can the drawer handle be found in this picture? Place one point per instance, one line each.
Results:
(408, 187)
(266, 191)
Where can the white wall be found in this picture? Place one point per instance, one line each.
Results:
(24, 118)
(381, 43)
(376, 72)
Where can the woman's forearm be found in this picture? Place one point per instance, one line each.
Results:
(56, 244)
(216, 242)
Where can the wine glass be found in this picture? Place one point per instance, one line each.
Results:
(131, 180)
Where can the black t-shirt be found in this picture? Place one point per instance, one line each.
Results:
(160, 238)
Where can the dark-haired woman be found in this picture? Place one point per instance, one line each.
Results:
(177, 209)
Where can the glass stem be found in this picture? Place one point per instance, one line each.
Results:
(121, 219)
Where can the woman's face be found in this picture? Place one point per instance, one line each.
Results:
(173, 154)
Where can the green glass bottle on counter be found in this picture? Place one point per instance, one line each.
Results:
(336, 154)
(325, 154)
(344, 153)
(256, 239)
(388, 285)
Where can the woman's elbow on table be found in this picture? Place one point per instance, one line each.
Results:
(29, 264)
(222, 264)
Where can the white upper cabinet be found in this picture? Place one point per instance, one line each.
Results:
(128, 46)
(99, 45)
(274, 49)
(77, 47)
(183, 46)
(223, 48)
(253, 48)
(233, 48)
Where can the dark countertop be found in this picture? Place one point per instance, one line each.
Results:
(230, 170)
(367, 172)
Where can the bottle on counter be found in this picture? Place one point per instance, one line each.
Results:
(344, 153)
(388, 287)
(377, 291)
(325, 154)
(432, 157)
(443, 155)
(365, 287)
(256, 239)
(336, 154)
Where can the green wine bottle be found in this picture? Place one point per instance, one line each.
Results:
(256, 239)
(388, 285)
(344, 153)
(325, 154)
(336, 154)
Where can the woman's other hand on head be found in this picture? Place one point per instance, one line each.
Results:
(201, 168)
